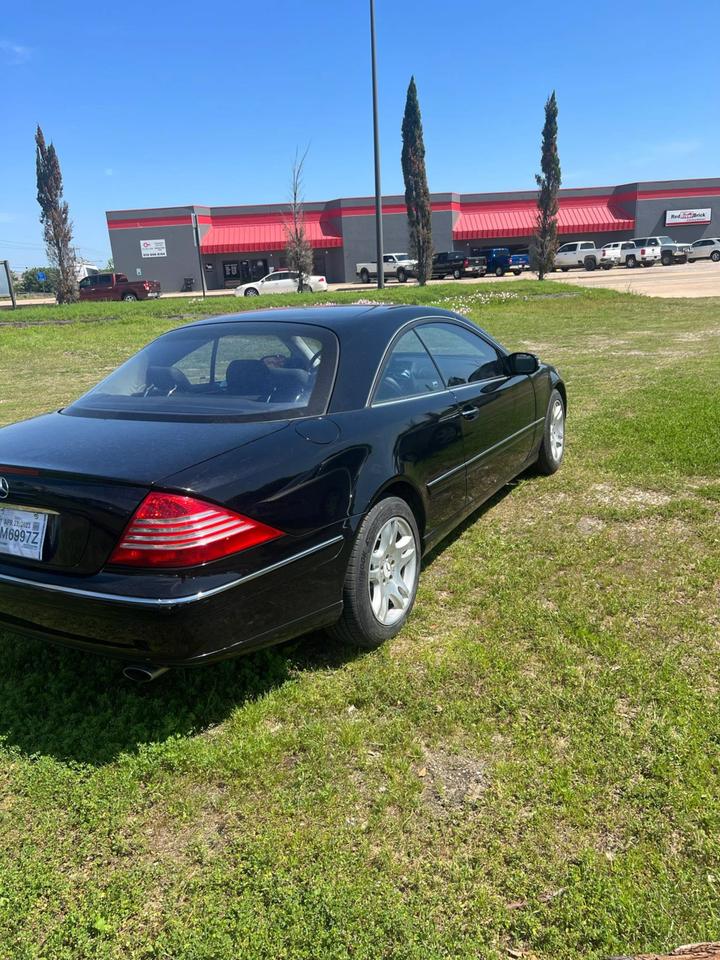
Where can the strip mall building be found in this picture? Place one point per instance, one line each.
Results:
(238, 244)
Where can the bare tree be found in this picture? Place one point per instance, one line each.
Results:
(55, 218)
(299, 251)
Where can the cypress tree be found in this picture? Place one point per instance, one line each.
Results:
(55, 219)
(544, 245)
(417, 194)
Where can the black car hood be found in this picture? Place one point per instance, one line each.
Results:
(134, 451)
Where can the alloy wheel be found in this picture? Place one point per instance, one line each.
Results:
(557, 430)
(392, 572)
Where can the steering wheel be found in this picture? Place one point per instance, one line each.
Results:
(314, 359)
(392, 386)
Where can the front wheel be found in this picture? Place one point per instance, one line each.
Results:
(553, 443)
(382, 576)
(252, 292)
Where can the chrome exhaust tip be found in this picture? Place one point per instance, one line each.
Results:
(142, 672)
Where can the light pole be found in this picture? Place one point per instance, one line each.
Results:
(376, 137)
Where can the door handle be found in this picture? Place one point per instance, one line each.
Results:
(470, 412)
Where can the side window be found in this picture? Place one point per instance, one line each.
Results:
(408, 371)
(587, 246)
(196, 365)
(567, 248)
(461, 355)
(388, 258)
(85, 283)
(103, 280)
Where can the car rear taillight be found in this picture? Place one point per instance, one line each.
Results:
(168, 530)
(642, 252)
(146, 285)
(466, 262)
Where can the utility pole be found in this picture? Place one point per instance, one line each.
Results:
(196, 232)
(376, 136)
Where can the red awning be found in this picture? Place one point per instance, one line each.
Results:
(261, 233)
(486, 220)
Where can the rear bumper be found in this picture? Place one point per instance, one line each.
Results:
(197, 620)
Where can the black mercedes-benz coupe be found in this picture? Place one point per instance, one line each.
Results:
(247, 478)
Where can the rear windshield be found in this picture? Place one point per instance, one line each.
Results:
(221, 371)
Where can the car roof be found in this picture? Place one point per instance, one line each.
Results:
(364, 332)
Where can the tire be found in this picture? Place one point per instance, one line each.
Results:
(457, 274)
(306, 288)
(359, 626)
(517, 272)
(590, 264)
(499, 272)
(251, 292)
(667, 259)
(715, 256)
(607, 266)
(552, 451)
(129, 297)
(631, 262)
(401, 276)
(564, 269)
(364, 276)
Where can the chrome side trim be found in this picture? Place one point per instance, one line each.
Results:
(479, 456)
(158, 602)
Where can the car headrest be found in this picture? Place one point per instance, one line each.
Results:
(247, 378)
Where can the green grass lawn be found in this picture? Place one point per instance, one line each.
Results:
(529, 769)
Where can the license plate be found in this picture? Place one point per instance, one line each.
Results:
(22, 533)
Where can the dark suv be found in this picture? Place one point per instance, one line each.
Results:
(455, 262)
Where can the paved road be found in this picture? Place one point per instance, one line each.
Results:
(681, 280)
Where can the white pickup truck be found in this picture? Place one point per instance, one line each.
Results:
(578, 253)
(398, 265)
(650, 250)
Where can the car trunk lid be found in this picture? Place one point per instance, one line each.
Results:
(88, 476)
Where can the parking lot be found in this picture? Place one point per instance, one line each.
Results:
(679, 280)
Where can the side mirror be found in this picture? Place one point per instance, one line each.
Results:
(522, 363)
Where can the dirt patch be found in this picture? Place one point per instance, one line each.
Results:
(587, 526)
(628, 496)
(451, 781)
(691, 951)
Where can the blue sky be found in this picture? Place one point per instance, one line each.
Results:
(173, 103)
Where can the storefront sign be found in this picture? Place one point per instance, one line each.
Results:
(678, 218)
(153, 248)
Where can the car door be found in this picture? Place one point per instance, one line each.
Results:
(497, 410)
(103, 287)
(566, 255)
(271, 283)
(411, 403)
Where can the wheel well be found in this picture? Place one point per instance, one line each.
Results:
(560, 387)
(407, 492)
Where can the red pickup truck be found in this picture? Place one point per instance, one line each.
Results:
(116, 286)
